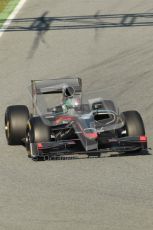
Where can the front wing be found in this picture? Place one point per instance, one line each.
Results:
(62, 148)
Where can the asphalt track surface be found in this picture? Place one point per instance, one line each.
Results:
(114, 61)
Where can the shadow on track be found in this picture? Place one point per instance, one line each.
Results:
(43, 26)
(97, 21)
(85, 157)
(128, 154)
(44, 23)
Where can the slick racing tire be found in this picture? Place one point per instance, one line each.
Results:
(16, 119)
(37, 131)
(134, 125)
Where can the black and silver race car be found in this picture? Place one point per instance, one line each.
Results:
(69, 125)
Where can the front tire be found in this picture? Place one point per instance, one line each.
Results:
(16, 118)
(134, 125)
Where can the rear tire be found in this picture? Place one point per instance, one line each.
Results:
(16, 118)
(37, 132)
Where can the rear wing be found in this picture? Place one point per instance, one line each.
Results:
(53, 86)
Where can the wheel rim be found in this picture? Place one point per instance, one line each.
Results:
(28, 143)
(7, 129)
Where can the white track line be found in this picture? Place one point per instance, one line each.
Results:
(11, 16)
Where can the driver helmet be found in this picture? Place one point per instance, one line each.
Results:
(69, 99)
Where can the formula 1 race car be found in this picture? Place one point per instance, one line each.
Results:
(69, 125)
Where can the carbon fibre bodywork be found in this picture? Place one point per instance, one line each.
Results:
(64, 122)
(92, 128)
